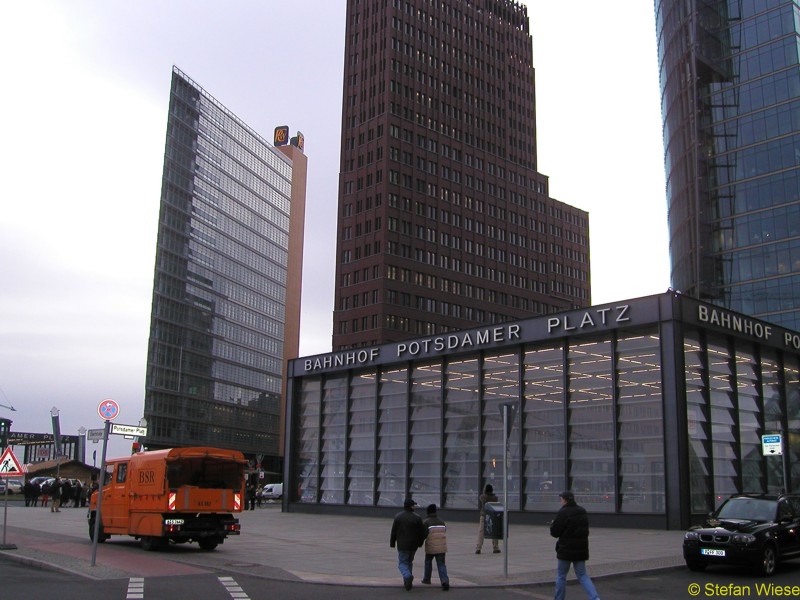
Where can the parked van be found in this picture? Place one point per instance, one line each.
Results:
(178, 495)
(272, 491)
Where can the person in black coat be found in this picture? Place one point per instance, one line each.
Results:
(571, 527)
(408, 534)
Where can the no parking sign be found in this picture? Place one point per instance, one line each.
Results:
(108, 409)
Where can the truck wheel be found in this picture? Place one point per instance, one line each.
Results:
(102, 537)
(208, 544)
(151, 543)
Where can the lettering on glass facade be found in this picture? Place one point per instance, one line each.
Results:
(734, 322)
(342, 359)
(469, 339)
(590, 318)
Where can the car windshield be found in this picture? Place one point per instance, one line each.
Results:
(751, 509)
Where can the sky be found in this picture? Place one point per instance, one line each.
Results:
(84, 104)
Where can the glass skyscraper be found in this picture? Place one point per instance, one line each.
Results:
(730, 86)
(225, 314)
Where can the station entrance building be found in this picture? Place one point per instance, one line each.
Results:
(652, 410)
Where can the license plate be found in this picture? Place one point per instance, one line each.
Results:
(712, 552)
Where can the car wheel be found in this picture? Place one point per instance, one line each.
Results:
(769, 560)
(694, 565)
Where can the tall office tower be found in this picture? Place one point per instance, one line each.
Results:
(444, 222)
(730, 100)
(226, 294)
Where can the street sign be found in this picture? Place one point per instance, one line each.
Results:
(134, 430)
(108, 409)
(9, 465)
(94, 435)
(771, 445)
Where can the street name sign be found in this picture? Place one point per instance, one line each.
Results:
(134, 430)
(95, 435)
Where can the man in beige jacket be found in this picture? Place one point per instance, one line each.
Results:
(435, 547)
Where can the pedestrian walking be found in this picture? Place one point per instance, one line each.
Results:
(55, 494)
(408, 534)
(435, 547)
(250, 499)
(28, 491)
(66, 493)
(488, 495)
(571, 527)
(77, 489)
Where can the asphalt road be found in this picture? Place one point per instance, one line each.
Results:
(22, 581)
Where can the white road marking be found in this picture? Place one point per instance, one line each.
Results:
(233, 588)
(135, 588)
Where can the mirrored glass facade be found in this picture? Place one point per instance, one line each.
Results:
(216, 350)
(730, 94)
(651, 410)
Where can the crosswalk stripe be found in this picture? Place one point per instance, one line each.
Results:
(233, 588)
(135, 588)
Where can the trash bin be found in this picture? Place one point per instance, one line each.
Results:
(493, 522)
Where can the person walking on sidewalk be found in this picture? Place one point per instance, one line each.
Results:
(408, 534)
(55, 494)
(571, 527)
(488, 495)
(435, 547)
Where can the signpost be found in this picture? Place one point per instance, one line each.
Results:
(108, 409)
(508, 410)
(9, 467)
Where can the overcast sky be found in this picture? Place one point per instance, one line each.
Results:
(84, 103)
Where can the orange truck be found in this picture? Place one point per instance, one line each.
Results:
(179, 495)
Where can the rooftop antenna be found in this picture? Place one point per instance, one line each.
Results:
(8, 406)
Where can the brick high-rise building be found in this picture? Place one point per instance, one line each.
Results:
(444, 220)
(730, 99)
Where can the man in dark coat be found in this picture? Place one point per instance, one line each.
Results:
(488, 495)
(571, 527)
(408, 534)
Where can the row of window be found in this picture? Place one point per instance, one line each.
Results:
(436, 429)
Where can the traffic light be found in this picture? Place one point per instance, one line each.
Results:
(5, 426)
(135, 447)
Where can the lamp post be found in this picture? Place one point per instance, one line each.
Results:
(54, 412)
(82, 444)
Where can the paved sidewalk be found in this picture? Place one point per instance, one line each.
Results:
(329, 549)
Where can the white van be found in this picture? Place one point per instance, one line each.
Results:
(272, 491)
